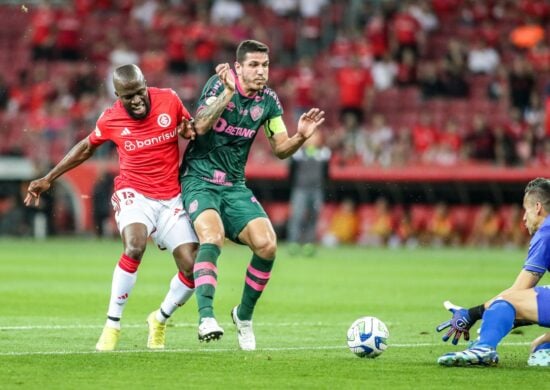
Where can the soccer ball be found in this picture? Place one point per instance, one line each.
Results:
(367, 337)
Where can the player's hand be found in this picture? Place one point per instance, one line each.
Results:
(459, 324)
(186, 129)
(226, 76)
(36, 187)
(310, 121)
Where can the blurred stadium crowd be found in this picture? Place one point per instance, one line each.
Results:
(436, 82)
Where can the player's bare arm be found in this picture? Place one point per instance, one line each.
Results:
(284, 146)
(76, 156)
(207, 116)
(524, 281)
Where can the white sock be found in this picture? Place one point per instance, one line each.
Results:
(123, 283)
(178, 294)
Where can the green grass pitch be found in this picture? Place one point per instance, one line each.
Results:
(54, 295)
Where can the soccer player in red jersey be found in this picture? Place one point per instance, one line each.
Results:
(144, 123)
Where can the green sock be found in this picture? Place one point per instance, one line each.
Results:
(257, 276)
(205, 274)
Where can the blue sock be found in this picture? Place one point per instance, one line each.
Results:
(498, 320)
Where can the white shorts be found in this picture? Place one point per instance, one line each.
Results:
(166, 220)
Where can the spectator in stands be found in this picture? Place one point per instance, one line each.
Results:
(454, 69)
(486, 228)
(344, 225)
(534, 114)
(384, 70)
(42, 36)
(482, 58)
(380, 229)
(144, 12)
(407, 69)
(446, 151)
(310, 30)
(521, 83)
(424, 135)
(308, 176)
(348, 140)
(497, 88)
(479, 143)
(543, 156)
(422, 11)
(355, 86)
(376, 34)
(440, 230)
(226, 12)
(68, 38)
(405, 233)
(430, 81)
(505, 153)
(489, 33)
(402, 148)
(378, 142)
(525, 147)
(302, 83)
(405, 32)
(514, 233)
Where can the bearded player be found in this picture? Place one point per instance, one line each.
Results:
(144, 123)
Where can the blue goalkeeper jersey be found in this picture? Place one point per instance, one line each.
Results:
(538, 256)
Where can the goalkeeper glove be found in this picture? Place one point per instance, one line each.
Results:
(459, 324)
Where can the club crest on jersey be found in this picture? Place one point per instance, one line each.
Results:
(256, 112)
(193, 206)
(164, 120)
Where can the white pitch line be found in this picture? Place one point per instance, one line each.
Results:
(220, 350)
(177, 325)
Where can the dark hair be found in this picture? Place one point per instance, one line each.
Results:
(539, 189)
(250, 46)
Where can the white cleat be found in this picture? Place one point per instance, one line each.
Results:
(209, 330)
(245, 334)
(540, 358)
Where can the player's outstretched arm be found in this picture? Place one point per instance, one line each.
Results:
(284, 146)
(76, 156)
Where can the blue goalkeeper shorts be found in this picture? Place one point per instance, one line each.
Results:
(543, 303)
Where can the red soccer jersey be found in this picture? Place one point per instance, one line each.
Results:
(147, 148)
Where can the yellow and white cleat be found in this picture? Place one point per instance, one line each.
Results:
(157, 332)
(108, 339)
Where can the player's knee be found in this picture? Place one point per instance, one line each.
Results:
(184, 255)
(135, 248)
(266, 248)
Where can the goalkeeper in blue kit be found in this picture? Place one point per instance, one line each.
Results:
(521, 304)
